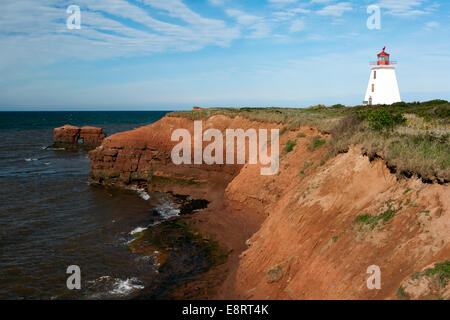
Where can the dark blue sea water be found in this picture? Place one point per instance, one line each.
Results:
(110, 120)
(51, 218)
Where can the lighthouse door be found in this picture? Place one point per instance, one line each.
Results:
(370, 101)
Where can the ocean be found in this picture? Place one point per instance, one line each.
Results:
(51, 218)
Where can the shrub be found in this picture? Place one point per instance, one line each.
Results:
(402, 293)
(381, 119)
(441, 270)
(316, 143)
(399, 104)
(435, 102)
(372, 221)
(290, 146)
(337, 106)
(347, 125)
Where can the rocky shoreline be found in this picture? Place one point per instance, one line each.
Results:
(299, 234)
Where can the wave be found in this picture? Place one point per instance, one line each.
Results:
(137, 230)
(115, 287)
(141, 192)
(166, 210)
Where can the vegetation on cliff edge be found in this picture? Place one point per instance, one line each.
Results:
(413, 138)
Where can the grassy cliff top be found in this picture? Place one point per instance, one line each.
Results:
(321, 116)
(413, 138)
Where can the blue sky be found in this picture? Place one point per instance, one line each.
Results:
(174, 54)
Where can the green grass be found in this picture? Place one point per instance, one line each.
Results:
(320, 116)
(373, 221)
(308, 164)
(315, 143)
(382, 119)
(441, 270)
(419, 153)
(413, 138)
(402, 293)
(289, 146)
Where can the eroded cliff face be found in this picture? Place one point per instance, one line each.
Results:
(143, 157)
(309, 232)
(327, 226)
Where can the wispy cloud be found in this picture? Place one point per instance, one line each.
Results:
(336, 10)
(109, 28)
(257, 27)
(282, 1)
(297, 25)
(403, 7)
(431, 25)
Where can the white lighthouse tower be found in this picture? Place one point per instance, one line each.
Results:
(383, 86)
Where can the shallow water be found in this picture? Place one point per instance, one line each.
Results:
(51, 218)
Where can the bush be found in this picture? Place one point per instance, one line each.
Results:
(399, 104)
(381, 119)
(442, 270)
(347, 125)
(316, 142)
(435, 102)
(290, 146)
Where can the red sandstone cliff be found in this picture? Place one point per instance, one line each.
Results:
(70, 136)
(298, 234)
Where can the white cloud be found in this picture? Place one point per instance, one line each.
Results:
(242, 17)
(297, 25)
(431, 25)
(336, 10)
(289, 13)
(403, 7)
(34, 30)
(320, 1)
(257, 26)
(282, 1)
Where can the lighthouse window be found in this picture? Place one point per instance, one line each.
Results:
(373, 88)
(375, 74)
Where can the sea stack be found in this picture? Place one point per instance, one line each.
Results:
(69, 136)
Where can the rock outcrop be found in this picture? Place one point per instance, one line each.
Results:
(92, 136)
(66, 135)
(69, 136)
(309, 232)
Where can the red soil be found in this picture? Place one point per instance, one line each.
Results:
(292, 235)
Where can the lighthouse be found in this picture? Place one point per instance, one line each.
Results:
(383, 86)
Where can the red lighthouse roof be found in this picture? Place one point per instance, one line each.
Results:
(383, 58)
(383, 53)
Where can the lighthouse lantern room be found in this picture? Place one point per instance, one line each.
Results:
(383, 86)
